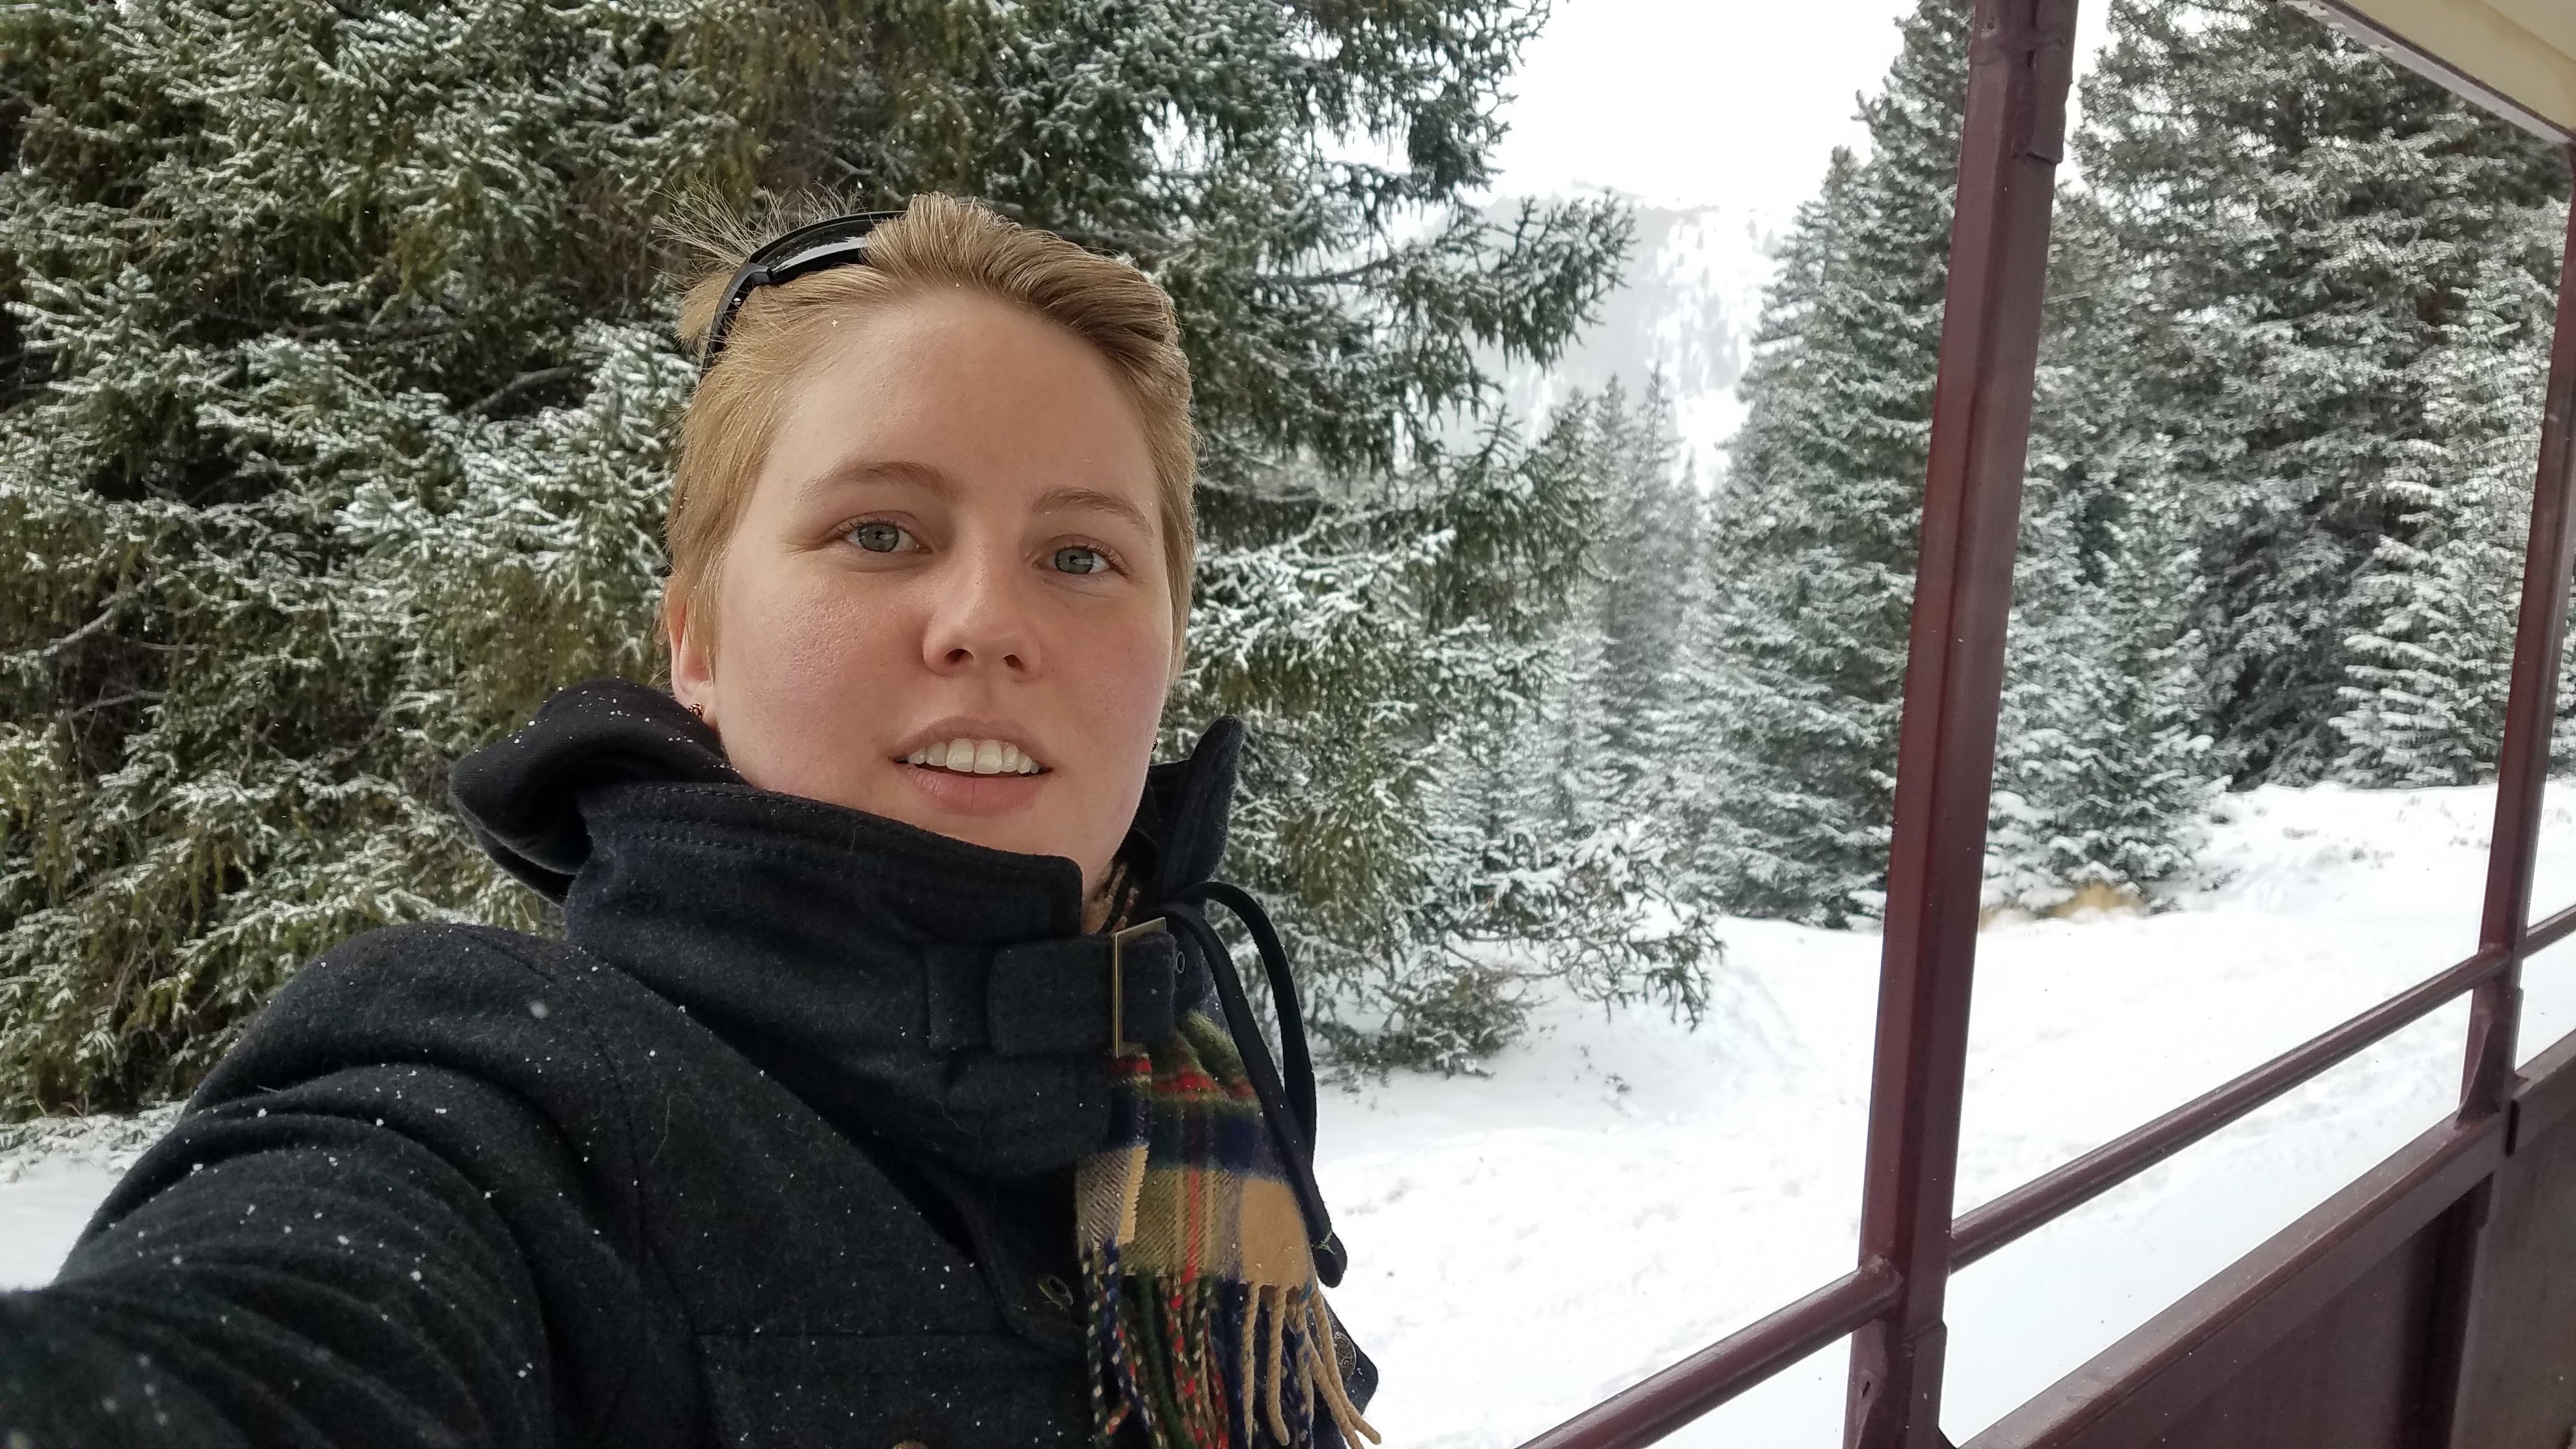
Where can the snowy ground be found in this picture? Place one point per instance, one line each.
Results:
(1620, 1191)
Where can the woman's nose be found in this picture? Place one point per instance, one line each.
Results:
(979, 616)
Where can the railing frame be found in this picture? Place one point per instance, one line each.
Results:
(2522, 781)
(2021, 61)
(1891, 1304)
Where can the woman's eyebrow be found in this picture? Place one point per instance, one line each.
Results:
(1072, 497)
(1062, 498)
(882, 470)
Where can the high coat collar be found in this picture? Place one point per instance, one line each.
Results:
(910, 987)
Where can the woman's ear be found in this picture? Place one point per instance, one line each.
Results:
(693, 672)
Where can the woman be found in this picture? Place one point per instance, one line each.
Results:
(876, 1095)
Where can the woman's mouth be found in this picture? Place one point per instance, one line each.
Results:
(975, 757)
(972, 776)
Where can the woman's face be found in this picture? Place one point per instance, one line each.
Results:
(945, 601)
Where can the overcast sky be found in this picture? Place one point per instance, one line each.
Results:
(1699, 102)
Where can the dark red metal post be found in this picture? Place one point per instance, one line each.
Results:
(2021, 60)
(2531, 711)
(2487, 1078)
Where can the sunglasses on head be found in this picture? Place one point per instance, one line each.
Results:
(838, 241)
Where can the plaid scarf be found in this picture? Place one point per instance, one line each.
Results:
(1207, 1327)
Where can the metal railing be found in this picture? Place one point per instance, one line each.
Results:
(2020, 66)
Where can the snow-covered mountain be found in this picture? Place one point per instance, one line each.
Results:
(1688, 308)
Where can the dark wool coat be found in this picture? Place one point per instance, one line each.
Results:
(773, 1150)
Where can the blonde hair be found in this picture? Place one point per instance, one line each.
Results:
(940, 242)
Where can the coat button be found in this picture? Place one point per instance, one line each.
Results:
(1056, 1291)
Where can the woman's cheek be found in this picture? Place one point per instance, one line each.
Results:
(803, 669)
(1115, 675)
(834, 648)
(1132, 671)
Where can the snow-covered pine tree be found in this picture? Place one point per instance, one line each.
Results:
(304, 301)
(337, 378)
(1420, 815)
(1725, 712)
(2306, 220)
(1606, 715)
(2100, 771)
(1812, 539)
(2429, 670)
(1368, 589)
(1614, 715)
(1648, 551)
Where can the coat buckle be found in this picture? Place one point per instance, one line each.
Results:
(1118, 1043)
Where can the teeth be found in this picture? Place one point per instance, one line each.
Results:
(974, 757)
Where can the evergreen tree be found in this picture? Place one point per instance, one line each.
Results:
(1813, 539)
(1649, 546)
(304, 302)
(1607, 713)
(1610, 753)
(2307, 222)
(2100, 770)
(338, 374)
(2438, 605)
(1425, 802)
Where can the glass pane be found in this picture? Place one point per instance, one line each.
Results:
(2022, 1318)
(1613, 1192)
(2288, 908)
(2553, 866)
(2548, 1002)
(1799, 1408)
(2553, 878)
(1616, 1194)
(2549, 979)
(2304, 905)
(2139, 953)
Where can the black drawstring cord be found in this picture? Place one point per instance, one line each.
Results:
(1295, 1065)
(1289, 1111)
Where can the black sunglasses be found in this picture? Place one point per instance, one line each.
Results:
(838, 241)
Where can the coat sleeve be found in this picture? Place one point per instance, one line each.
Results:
(380, 1224)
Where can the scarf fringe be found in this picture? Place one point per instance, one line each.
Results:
(1212, 1364)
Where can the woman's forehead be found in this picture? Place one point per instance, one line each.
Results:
(956, 394)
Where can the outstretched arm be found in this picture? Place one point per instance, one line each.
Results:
(290, 1274)
(370, 1231)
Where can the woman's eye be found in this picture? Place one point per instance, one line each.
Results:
(1076, 559)
(877, 537)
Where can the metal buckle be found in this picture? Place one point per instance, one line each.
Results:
(1118, 1043)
